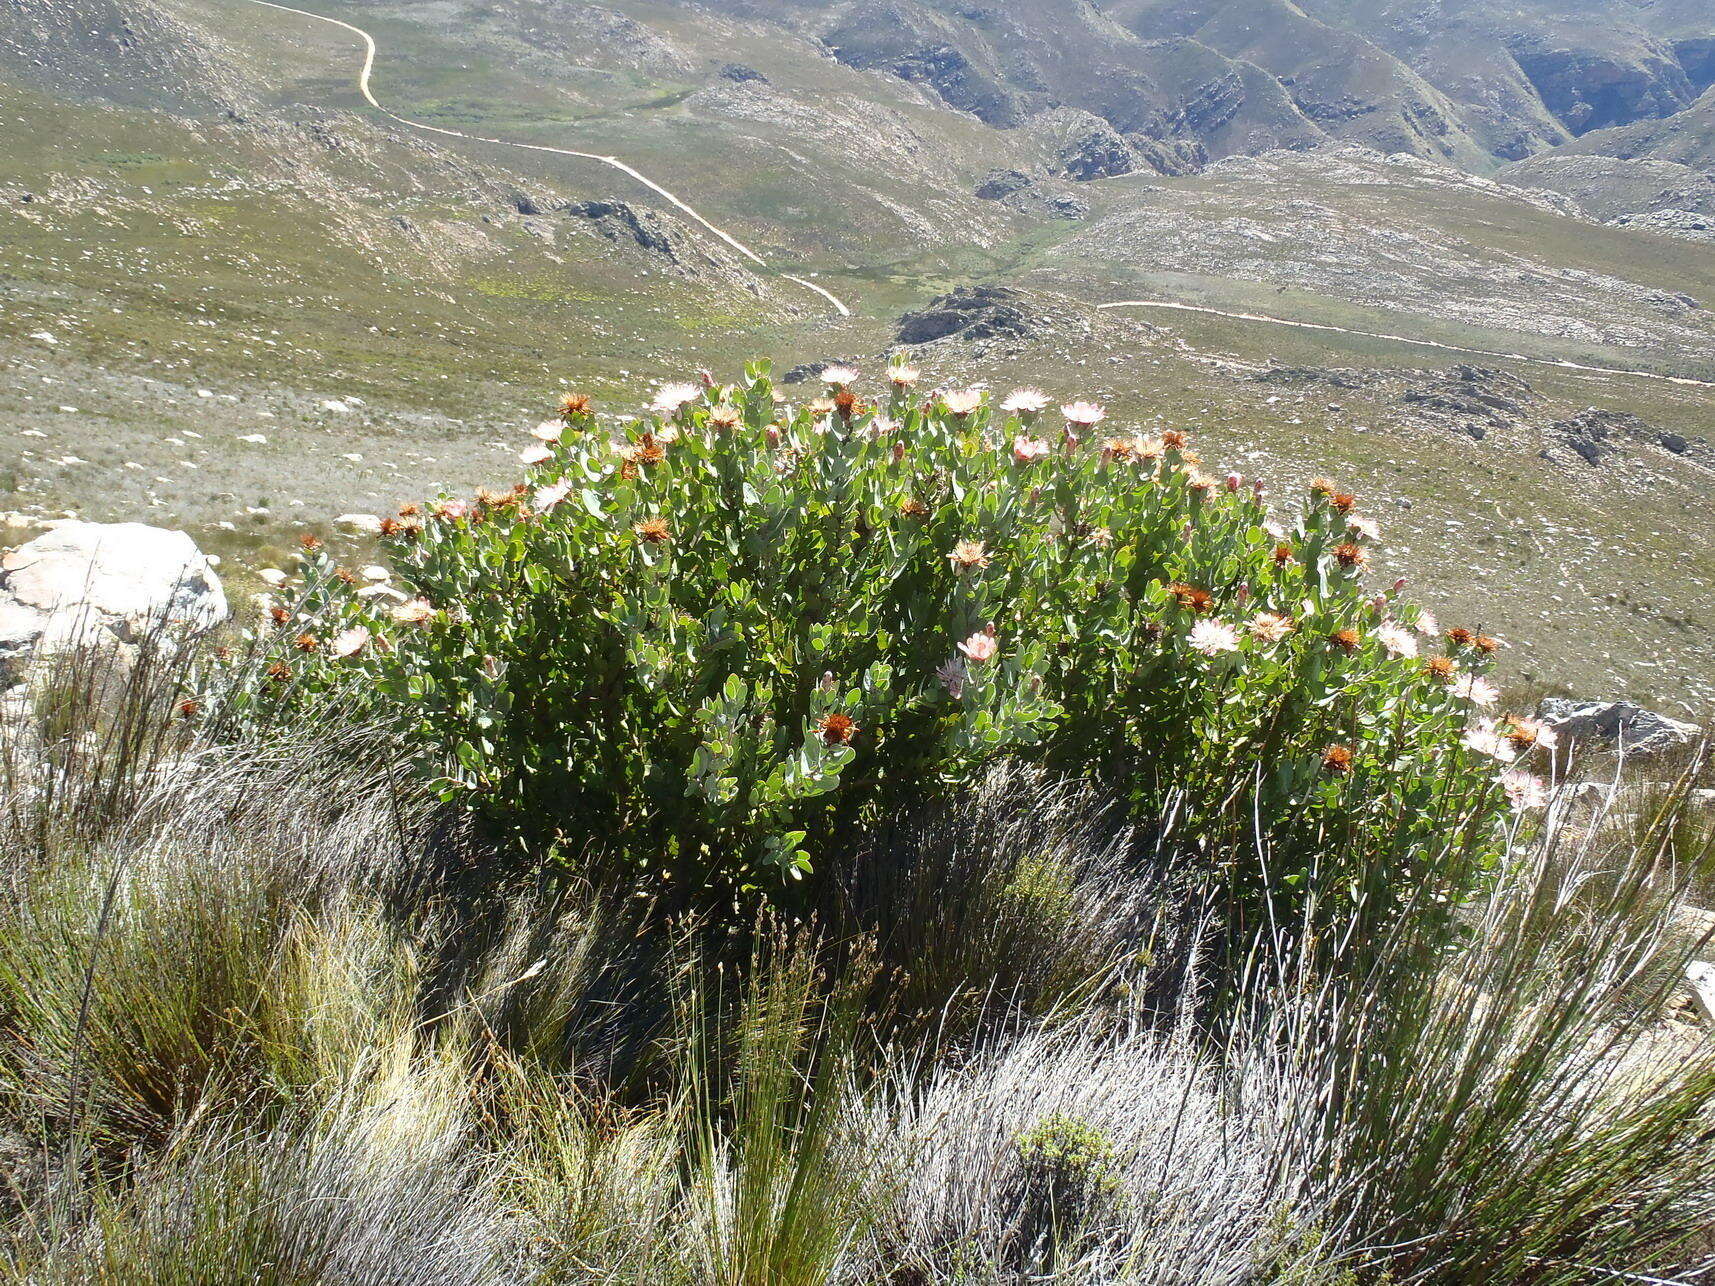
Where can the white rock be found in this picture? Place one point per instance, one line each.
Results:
(45, 336)
(260, 439)
(102, 584)
(334, 404)
(359, 522)
(376, 572)
(272, 576)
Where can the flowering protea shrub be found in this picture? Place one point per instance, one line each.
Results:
(713, 641)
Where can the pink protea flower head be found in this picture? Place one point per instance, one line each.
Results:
(773, 435)
(1243, 595)
(1234, 482)
(1027, 450)
(1084, 414)
(898, 452)
(1525, 791)
(981, 646)
(1398, 585)
(707, 377)
(1211, 637)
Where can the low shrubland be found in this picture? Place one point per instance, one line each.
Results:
(539, 921)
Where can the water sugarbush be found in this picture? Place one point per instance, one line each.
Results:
(708, 643)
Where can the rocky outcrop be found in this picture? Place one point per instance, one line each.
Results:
(103, 585)
(1618, 725)
(1020, 191)
(971, 313)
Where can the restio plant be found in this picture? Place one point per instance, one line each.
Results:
(709, 643)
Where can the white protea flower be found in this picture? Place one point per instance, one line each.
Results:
(536, 453)
(349, 643)
(1026, 401)
(671, 398)
(1086, 414)
(839, 376)
(549, 496)
(1212, 638)
(1477, 690)
(1361, 526)
(1271, 627)
(1396, 639)
(548, 430)
(961, 402)
(902, 374)
(1485, 739)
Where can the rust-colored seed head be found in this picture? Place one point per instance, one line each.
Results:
(1348, 640)
(1176, 440)
(1484, 643)
(188, 707)
(1337, 760)
(306, 642)
(653, 530)
(1282, 555)
(310, 542)
(279, 615)
(278, 671)
(911, 507)
(345, 576)
(573, 405)
(409, 510)
(1459, 636)
(1350, 556)
(1343, 501)
(391, 526)
(1191, 598)
(1441, 668)
(837, 729)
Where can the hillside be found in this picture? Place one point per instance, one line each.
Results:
(267, 304)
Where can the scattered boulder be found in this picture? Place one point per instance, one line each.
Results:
(1621, 725)
(102, 584)
(739, 74)
(971, 313)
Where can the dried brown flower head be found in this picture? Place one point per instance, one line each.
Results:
(310, 542)
(1350, 556)
(573, 405)
(1337, 760)
(1441, 668)
(306, 642)
(1191, 598)
(837, 729)
(653, 530)
(1347, 640)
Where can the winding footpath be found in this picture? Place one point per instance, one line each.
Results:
(1558, 363)
(369, 97)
